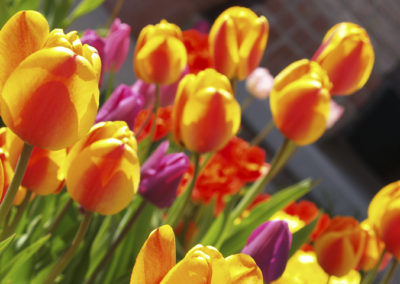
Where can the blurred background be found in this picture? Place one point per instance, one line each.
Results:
(361, 153)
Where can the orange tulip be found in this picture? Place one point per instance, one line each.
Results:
(155, 264)
(6, 175)
(340, 246)
(237, 42)
(300, 101)
(48, 82)
(160, 55)
(102, 169)
(347, 56)
(12, 144)
(384, 216)
(205, 115)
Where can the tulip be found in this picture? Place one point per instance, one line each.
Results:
(6, 175)
(116, 46)
(373, 248)
(269, 246)
(340, 246)
(48, 82)
(155, 264)
(161, 175)
(347, 55)
(160, 55)
(205, 114)
(384, 217)
(259, 83)
(237, 42)
(102, 169)
(335, 113)
(11, 144)
(123, 104)
(91, 38)
(300, 101)
(41, 175)
(196, 44)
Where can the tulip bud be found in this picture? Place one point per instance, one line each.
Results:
(116, 46)
(205, 115)
(384, 216)
(269, 246)
(300, 101)
(123, 104)
(259, 83)
(48, 84)
(12, 144)
(102, 169)
(347, 55)
(340, 246)
(41, 175)
(160, 55)
(161, 175)
(237, 42)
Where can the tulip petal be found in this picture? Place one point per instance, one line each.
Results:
(243, 270)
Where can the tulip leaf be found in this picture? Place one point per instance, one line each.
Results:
(4, 244)
(303, 235)
(83, 8)
(20, 258)
(237, 237)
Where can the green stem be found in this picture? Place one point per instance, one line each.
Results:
(390, 273)
(180, 205)
(371, 275)
(20, 212)
(329, 279)
(15, 182)
(115, 12)
(247, 101)
(66, 257)
(116, 243)
(284, 153)
(110, 85)
(260, 136)
(60, 216)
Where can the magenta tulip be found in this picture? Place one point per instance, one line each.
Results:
(117, 46)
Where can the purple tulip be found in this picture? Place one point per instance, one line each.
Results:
(123, 104)
(117, 45)
(91, 37)
(161, 175)
(269, 246)
(167, 92)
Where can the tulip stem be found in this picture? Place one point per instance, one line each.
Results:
(60, 216)
(110, 84)
(179, 207)
(117, 242)
(284, 153)
(370, 277)
(114, 13)
(261, 136)
(389, 275)
(15, 182)
(247, 101)
(329, 279)
(66, 257)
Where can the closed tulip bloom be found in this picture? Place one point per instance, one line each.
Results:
(41, 175)
(116, 46)
(123, 104)
(384, 216)
(10, 143)
(91, 38)
(155, 264)
(161, 175)
(300, 101)
(237, 41)
(102, 169)
(269, 246)
(49, 92)
(160, 55)
(340, 246)
(347, 55)
(206, 115)
(259, 83)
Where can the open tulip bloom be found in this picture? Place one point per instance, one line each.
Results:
(156, 185)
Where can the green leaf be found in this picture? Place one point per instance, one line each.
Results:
(4, 12)
(20, 258)
(19, 5)
(84, 7)
(238, 235)
(303, 235)
(4, 244)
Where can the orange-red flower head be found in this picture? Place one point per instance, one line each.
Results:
(300, 101)
(48, 82)
(340, 246)
(237, 41)
(102, 169)
(384, 216)
(160, 55)
(206, 115)
(347, 55)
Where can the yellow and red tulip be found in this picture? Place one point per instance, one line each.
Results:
(206, 115)
(48, 82)
(102, 171)
(12, 144)
(237, 41)
(300, 101)
(347, 55)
